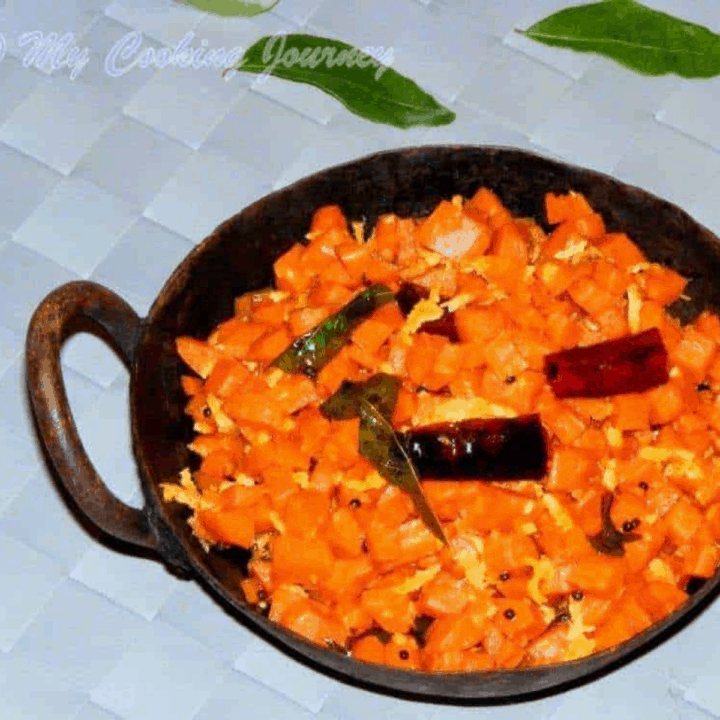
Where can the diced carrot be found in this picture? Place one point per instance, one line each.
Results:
(708, 324)
(666, 403)
(307, 512)
(515, 391)
(290, 274)
(695, 352)
(369, 649)
(191, 385)
(519, 620)
(627, 620)
(341, 367)
(422, 355)
(683, 521)
(558, 276)
(352, 616)
(402, 652)
(631, 411)
(446, 366)
(591, 296)
(328, 217)
(252, 409)
(660, 598)
(271, 313)
(284, 597)
(712, 517)
(653, 315)
(609, 276)
(472, 660)
(477, 324)
(573, 232)
(236, 336)
(229, 527)
(509, 242)
(227, 376)
(304, 319)
(294, 392)
(374, 331)
(251, 588)
(413, 542)
(221, 463)
(354, 257)
(330, 293)
(407, 404)
(348, 580)
(449, 230)
(198, 355)
(453, 633)
(508, 551)
(559, 208)
(567, 425)
(551, 647)
(663, 285)
(302, 560)
(386, 239)
(570, 468)
(444, 595)
(504, 272)
(502, 355)
(448, 500)
(604, 577)
(393, 611)
(485, 205)
(342, 444)
(702, 560)
(314, 621)
(345, 535)
(620, 248)
(378, 270)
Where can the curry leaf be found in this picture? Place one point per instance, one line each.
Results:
(380, 445)
(647, 41)
(233, 8)
(312, 351)
(610, 541)
(360, 82)
(381, 390)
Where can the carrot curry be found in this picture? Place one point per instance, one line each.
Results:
(460, 443)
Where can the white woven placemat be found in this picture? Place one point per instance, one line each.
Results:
(116, 178)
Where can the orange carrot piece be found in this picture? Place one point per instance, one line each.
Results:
(191, 385)
(695, 352)
(663, 285)
(369, 649)
(559, 208)
(620, 248)
(329, 217)
(290, 274)
(230, 527)
(198, 355)
(683, 521)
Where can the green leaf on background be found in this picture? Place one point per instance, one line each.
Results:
(233, 8)
(645, 40)
(363, 85)
(381, 390)
(380, 445)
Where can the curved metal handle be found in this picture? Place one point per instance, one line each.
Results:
(69, 309)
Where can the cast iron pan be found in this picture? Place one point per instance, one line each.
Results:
(237, 258)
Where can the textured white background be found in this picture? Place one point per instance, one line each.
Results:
(116, 179)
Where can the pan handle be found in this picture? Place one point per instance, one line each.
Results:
(74, 307)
